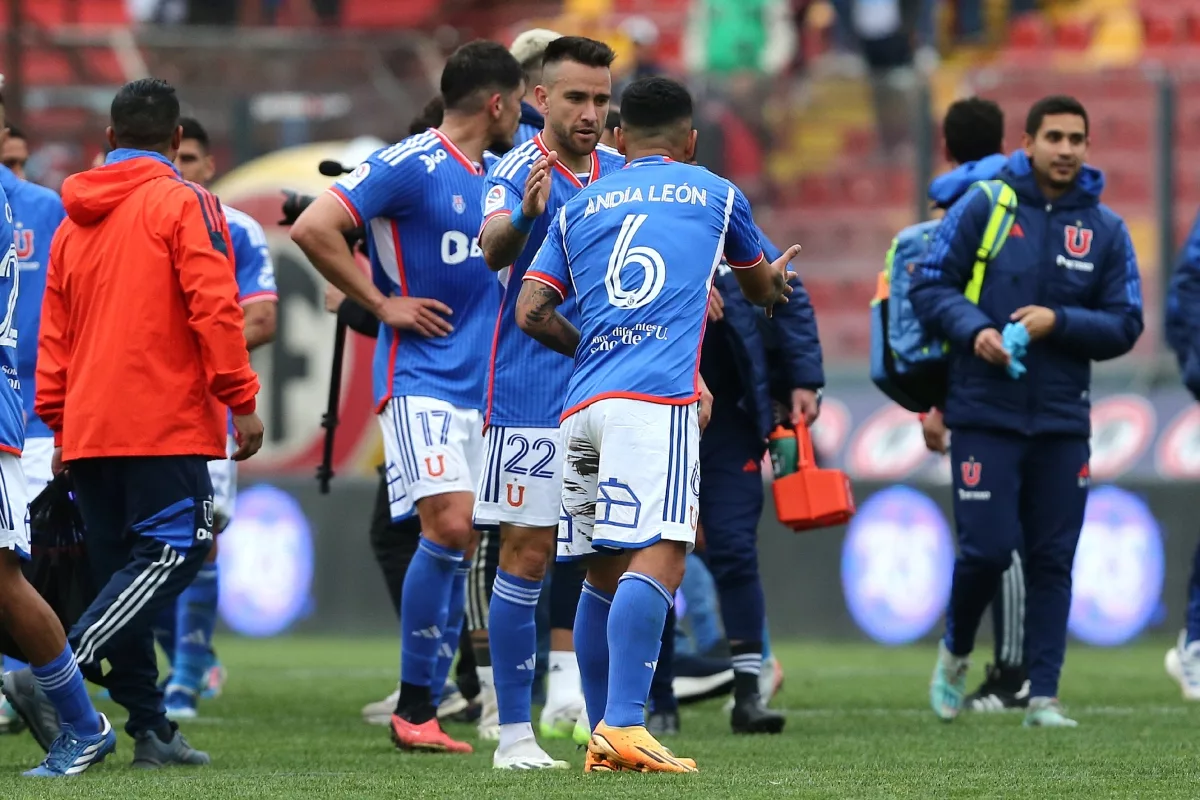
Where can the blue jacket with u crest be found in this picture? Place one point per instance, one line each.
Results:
(1073, 256)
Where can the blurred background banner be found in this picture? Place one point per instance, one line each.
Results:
(300, 561)
(825, 112)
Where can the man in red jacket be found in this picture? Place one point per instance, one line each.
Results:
(141, 352)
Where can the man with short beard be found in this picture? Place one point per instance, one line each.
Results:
(521, 490)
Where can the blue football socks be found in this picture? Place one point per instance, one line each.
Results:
(635, 629)
(63, 684)
(591, 649)
(196, 617)
(424, 610)
(512, 623)
(454, 622)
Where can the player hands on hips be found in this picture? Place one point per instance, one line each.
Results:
(438, 307)
(1065, 281)
(521, 488)
(637, 251)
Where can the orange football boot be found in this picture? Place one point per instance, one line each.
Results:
(635, 749)
(428, 737)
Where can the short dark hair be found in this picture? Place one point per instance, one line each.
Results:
(650, 105)
(430, 116)
(1049, 106)
(477, 65)
(974, 129)
(145, 114)
(613, 120)
(192, 129)
(580, 49)
(14, 132)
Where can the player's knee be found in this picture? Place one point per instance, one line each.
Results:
(526, 552)
(663, 561)
(604, 572)
(447, 522)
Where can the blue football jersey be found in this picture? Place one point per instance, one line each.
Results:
(251, 257)
(419, 201)
(526, 381)
(12, 414)
(638, 249)
(37, 213)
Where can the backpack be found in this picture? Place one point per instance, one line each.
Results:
(908, 364)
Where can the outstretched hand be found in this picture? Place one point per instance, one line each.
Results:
(784, 275)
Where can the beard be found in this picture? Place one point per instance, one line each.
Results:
(566, 140)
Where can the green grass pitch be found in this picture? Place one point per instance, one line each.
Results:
(288, 726)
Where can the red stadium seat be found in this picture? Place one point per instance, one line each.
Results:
(1160, 29)
(1073, 35)
(1028, 32)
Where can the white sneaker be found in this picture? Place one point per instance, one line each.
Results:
(380, 712)
(559, 723)
(489, 718)
(524, 754)
(1183, 664)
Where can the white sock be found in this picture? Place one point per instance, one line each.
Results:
(487, 682)
(563, 686)
(513, 732)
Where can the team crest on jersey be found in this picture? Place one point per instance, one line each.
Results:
(460, 205)
(23, 241)
(1078, 240)
(972, 471)
(515, 495)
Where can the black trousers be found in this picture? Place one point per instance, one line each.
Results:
(149, 529)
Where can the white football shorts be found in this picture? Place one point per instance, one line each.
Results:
(36, 457)
(223, 474)
(14, 505)
(522, 478)
(430, 447)
(631, 476)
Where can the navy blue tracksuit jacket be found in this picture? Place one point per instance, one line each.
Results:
(1020, 446)
(747, 361)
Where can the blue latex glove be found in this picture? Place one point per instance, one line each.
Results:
(1016, 342)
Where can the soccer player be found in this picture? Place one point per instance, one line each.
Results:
(1066, 291)
(140, 354)
(15, 152)
(85, 737)
(521, 490)
(186, 632)
(638, 250)
(437, 307)
(974, 133)
(528, 48)
(37, 213)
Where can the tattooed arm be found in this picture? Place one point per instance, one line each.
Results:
(537, 315)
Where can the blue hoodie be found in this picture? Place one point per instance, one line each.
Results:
(1073, 256)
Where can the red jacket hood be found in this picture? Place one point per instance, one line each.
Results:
(92, 195)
